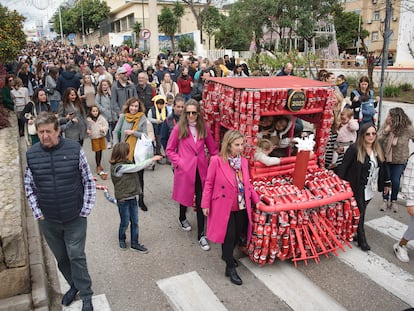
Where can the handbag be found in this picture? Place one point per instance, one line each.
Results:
(31, 128)
(48, 90)
(144, 149)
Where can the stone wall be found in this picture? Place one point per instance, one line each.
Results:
(14, 258)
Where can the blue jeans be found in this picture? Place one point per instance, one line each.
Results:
(128, 211)
(67, 242)
(394, 172)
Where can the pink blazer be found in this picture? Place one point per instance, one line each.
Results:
(187, 156)
(219, 195)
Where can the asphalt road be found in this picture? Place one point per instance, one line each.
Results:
(129, 279)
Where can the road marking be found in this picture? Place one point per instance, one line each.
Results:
(99, 301)
(391, 227)
(312, 297)
(392, 278)
(189, 292)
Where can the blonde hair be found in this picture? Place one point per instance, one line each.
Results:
(229, 137)
(265, 144)
(348, 112)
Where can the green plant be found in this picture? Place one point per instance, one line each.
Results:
(186, 44)
(392, 91)
(406, 87)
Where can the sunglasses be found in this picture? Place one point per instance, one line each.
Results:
(193, 113)
(370, 134)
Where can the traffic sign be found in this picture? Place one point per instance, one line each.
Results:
(145, 34)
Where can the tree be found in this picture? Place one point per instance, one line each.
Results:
(12, 37)
(346, 26)
(231, 37)
(211, 19)
(93, 11)
(168, 21)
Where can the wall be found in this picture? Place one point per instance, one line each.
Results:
(14, 260)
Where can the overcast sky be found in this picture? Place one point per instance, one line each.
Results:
(35, 11)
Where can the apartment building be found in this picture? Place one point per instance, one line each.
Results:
(372, 13)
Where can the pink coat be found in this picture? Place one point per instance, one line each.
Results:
(187, 155)
(220, 194)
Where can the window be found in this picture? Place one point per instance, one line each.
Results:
(375, 36)
(376, 16)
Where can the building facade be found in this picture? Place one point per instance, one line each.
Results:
(372, 13)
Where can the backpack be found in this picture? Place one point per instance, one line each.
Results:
(367, 111)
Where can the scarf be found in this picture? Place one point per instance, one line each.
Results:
(131, 140)
(160, 116)
(235, 163)
(392, 141)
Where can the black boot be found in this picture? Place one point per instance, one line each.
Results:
(87, 304)
(234, 277)
(362, 240)
(70, 295)
(141, 203)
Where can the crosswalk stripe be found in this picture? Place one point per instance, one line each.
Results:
(312, 297)
(392, 278)
(390, 227)
(188, 292)
(99, 301)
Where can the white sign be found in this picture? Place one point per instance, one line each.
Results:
(145, 34)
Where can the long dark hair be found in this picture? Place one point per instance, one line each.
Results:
(183, 123)
(77, 103)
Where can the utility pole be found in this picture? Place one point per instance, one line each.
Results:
(385, 47)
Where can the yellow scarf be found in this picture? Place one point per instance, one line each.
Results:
(163, 114)
(131, 140)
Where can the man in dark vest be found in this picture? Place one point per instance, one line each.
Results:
(61, 193)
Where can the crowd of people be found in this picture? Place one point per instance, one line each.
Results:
(117, 97)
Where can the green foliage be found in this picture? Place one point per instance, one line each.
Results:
(186, 44)
(392, 91)
(94, 12)
(287, 18)
(137, 28)
(273, 63)
(406, 87)
(12, 37)
(168, 21)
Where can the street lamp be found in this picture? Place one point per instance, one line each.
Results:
(60, 23)
(83, 24)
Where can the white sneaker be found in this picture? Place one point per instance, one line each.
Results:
(185, 225)
(109, 145)
(401, 252)
(204, 243)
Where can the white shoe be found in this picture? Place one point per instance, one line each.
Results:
(185, 225)
(109, 146)
(401, 252)
(204, 243)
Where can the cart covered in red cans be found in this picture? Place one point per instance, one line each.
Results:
(305, 211)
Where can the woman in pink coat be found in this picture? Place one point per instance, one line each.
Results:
(186, 151)
(227, 199)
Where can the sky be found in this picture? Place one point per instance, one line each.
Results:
(35, 11)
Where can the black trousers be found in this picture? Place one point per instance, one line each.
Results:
(200, 215)
(237, 221)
